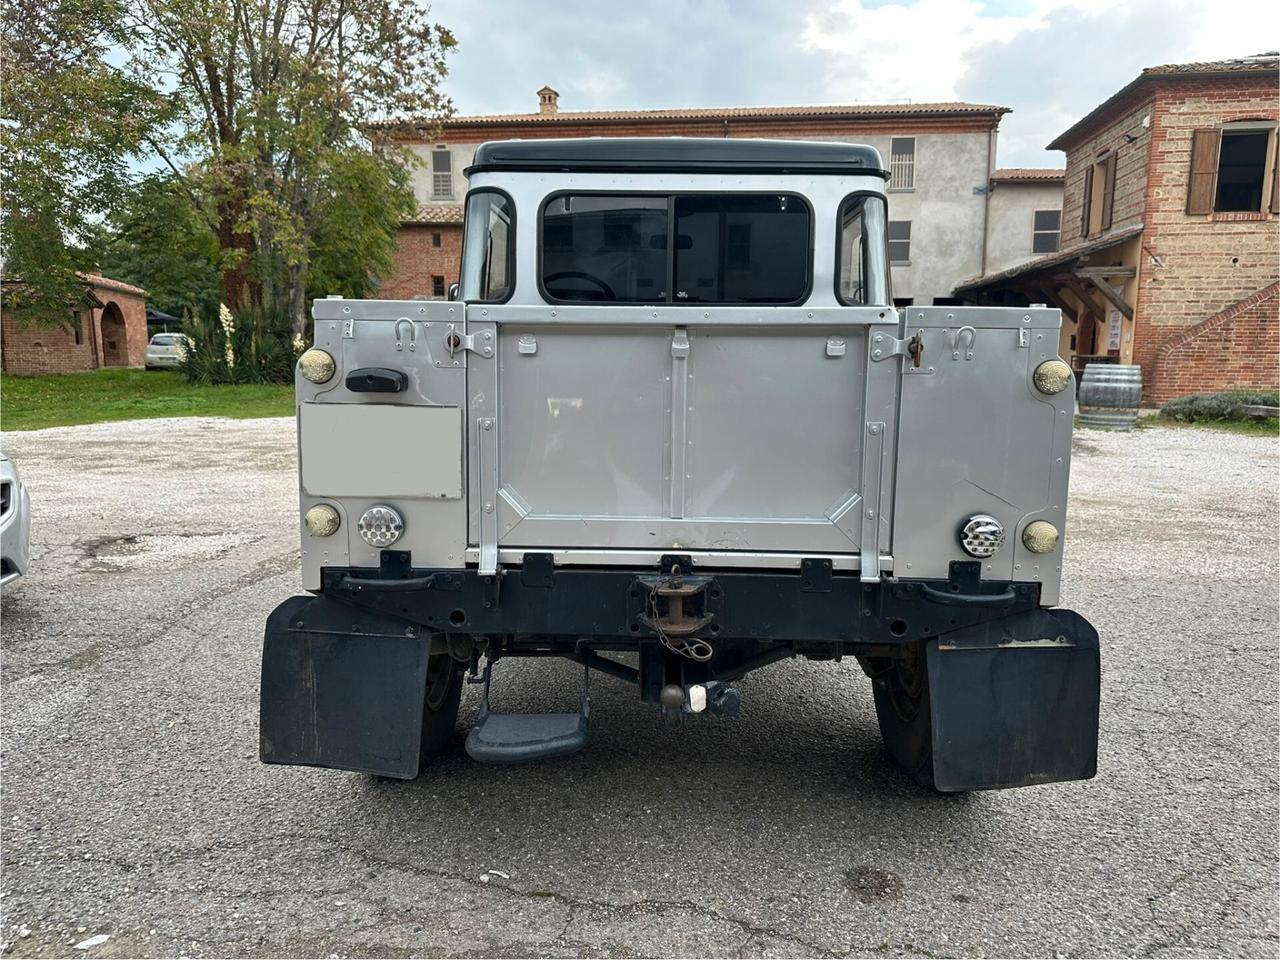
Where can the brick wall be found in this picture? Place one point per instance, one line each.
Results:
(1131, 173)
(30, 350)
(1206, 263)
(417, 260)
(1236, 348)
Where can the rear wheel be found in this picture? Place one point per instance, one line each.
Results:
(901, 689)
(440, 705)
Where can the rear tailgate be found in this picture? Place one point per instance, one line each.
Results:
(658, 430)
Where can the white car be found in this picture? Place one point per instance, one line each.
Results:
(15, 523)
(166, 351)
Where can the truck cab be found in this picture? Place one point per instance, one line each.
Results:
(673, 429)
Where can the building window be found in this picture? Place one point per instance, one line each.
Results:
(1099, 195)
(1233, 169)
(902, 163)
(1045, 229)
(899, 241)
(437, 286)
(441, 174)
(435, 239)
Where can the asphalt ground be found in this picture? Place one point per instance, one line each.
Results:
(134, 804)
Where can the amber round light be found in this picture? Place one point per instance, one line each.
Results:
(1051, 377)
(317, 365)
(1040, 536)
(322, 520)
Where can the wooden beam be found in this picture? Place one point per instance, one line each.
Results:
(1115, 299)
(1056, 298)
(1091, 273)
(1078, 287)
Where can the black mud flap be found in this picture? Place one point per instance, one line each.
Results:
(1015, 702)
(342, 687)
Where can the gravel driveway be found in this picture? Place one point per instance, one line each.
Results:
(134, 804)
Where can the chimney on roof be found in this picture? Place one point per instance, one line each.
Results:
(548, 100)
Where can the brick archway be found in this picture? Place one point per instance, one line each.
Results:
(115, 338)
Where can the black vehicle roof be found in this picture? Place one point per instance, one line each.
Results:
(678, 155)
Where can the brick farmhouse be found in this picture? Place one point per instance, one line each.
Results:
(1170, 235)
(941, 156)
(107, 328)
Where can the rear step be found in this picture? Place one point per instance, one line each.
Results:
(519, 737)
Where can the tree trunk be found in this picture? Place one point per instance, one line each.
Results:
(298, 298)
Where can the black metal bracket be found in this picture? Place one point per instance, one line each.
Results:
(539, 570)
(815, 575)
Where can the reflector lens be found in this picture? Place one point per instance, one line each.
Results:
(380, 526)
(982, 535)
(322, 520)
(1051, 377)
(1040, 536)
(317, 365)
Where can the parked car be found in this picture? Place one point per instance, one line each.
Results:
(15, 523)
(674, 415)
(165, 351)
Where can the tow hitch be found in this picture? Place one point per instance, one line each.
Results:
(676, 607)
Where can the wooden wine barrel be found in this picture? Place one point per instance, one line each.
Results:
(1109, 396)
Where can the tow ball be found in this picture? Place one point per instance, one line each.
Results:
(719, 697)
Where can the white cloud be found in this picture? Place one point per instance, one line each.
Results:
(1052, 61)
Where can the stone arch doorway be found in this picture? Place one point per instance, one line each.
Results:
(115, 344)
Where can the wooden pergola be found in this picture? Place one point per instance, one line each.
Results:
(1083, 292)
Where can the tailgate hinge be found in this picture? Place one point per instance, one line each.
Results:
(481, 343)
(884, 346)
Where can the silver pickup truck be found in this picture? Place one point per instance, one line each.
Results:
(671, 428)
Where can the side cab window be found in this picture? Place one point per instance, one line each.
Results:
(489, 247)
(862, 270)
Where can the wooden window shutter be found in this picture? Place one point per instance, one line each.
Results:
(1108, 190)
(1275, 171)
(1087, 205)
(1204, 170)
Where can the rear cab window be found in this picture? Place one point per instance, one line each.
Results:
(702, 248)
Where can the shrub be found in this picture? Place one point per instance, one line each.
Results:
(253, 346)
(1228, 405)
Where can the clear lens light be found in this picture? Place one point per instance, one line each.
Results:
(317, 365)
(1051, 377)
(1040, 536)
(982, 535)
(322, 520)
(380, 526)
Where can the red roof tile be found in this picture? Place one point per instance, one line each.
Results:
(1040, 174)
(820, 111)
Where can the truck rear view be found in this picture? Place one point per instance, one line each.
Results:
(672, 429)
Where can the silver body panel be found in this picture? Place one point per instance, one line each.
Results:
(15, 524)
(742, 436)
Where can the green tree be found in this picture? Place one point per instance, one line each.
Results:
(161, 239)
(274, 96)
(71, 126)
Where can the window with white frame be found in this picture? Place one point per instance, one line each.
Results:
(441, 173)
(1046, 227)
(902, 163)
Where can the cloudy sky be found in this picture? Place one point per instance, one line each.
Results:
(1050, 60)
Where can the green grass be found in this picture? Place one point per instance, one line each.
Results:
(29, 403)
(1252, 428)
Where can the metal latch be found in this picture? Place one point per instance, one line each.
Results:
(480, 343)
(884, 346)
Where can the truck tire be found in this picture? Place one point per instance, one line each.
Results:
(440, 705)
(901, 690)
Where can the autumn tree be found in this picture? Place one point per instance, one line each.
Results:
(274, 95)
